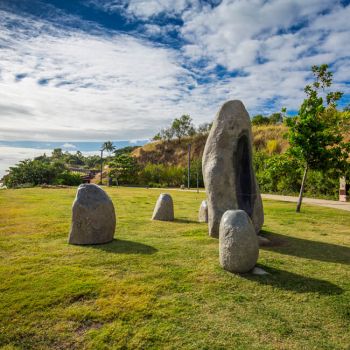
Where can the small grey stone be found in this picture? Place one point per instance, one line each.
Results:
(238, 242)
(164, 209)
(93, 216)
(228, 172)
(263, 241)
(259, 271)
(203, 212)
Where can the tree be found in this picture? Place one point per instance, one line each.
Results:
(157, 137)
(315, 135)
(183, 126)
(109, 147)
(124, 168)
(259, 119)
(275, 118)
(204, 128)
(57, 153)
(33, 172)
(167, 134)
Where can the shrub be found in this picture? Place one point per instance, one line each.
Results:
(69, 179)
(273, 147)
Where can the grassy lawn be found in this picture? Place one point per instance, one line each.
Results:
(159, 284)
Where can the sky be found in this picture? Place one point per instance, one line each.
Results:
(93, 70)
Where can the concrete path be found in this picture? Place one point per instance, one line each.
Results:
(320, 202)
(276, 197)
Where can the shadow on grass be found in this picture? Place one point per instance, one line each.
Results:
(304, 248)
(186, 221)
(293, 282)
(121, 246)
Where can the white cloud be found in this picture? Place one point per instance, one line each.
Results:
(68, 146)
(147, 8)
(93, 87)
(119, 86)
(271, 44)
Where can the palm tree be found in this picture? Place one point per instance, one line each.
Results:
(109, 147)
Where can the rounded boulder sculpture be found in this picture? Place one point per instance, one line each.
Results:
(228, 171)
(238, 242)
(203, 212)
(93, 216)
(164, 209)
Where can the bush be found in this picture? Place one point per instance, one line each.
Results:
(281, 173)
(35, 172)
(260, 120)
(160, 175)
(69, 179)
(273, 147)
(277, 173)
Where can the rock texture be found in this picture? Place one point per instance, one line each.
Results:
(93, 219)
(238, 242)
(203, 212)
(164, 209)
(259, 271)
(228, 172)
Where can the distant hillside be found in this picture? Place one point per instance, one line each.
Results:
(269, 138)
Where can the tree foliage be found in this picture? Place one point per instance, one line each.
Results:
(123, 168)
(183, 126)
(316, 134)
(180, 128)
(272, 119)
(33, 172)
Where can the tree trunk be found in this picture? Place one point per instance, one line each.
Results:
(300, 199)
(101, 167)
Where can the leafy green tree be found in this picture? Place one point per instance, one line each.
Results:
(124, 169)
(33, 172)
(92, 162)
(183, 126)
(316, 134)
(259, 119)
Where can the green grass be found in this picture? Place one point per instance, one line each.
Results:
(159, 284)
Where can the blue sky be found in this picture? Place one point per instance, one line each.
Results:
(121, 70)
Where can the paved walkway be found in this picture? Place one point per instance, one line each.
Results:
(320, 202)
(313, 201)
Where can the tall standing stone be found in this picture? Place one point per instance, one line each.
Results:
(93, 219)
(164, 209)
(228, 172)
(203, 212)
(238, 242)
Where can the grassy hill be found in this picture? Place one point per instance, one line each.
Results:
(270, 138)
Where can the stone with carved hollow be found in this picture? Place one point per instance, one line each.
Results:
(228, 171)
